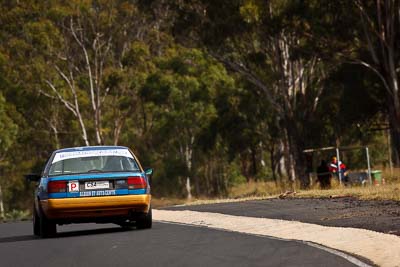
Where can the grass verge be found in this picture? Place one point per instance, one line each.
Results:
(269, 190)
(382, 192)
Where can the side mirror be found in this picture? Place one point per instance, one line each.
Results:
(33, 177)
(148, 171)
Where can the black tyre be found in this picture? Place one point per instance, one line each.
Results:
(36, 222)
(126, 225)
(47, 227)
(146, 221)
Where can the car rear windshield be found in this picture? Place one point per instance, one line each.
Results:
(93, 164)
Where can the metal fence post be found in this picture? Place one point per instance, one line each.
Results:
(369, 166)
(338, 165)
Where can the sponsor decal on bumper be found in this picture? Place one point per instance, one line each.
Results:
(97, 193)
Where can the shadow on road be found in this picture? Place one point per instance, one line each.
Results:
(91, 232)
(10, 239)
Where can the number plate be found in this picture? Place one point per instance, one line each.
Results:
(97, 185)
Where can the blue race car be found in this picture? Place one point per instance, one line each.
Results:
(101, 184)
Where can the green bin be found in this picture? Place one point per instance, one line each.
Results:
(377, 176)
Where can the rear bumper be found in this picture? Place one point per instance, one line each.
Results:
(95, 207)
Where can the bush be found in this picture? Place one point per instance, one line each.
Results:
(17, 215)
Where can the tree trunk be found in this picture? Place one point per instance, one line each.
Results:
(55, 132)
(298, 166)
(117, 130)
(394, 115)
(380, 29)
(254, 162)
(188, 162)
(188, 188)
(1, 204)
(395, 136)
(273, 163)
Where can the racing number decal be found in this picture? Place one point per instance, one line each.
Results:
(90, 184)
(73, 186)
(97, 185)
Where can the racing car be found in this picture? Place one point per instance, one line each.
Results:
(100, 184)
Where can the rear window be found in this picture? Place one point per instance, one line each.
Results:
(95, 161)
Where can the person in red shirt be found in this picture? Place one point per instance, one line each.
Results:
(333, 168)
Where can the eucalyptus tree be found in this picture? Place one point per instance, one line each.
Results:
(8, 126)
(246, 129)
(183, 90)
(378, 32)
(275, 46)
(97, 59)
(8, 129)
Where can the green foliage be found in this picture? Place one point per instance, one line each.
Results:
(200, 89)
(8, 129)
(8, 126)
(17, 215)
(234, 175)
(182, 93)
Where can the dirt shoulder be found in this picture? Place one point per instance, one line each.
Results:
(376, 215)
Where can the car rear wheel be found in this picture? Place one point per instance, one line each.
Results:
(146, 221)
(36, 222)
(46, 227)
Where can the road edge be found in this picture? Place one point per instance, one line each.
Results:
(349, 241)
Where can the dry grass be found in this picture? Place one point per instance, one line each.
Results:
(165, 202)
(388, 191)
(382, 192)
(226, 200)
(267, 190)
(243, 192)
(259, 189)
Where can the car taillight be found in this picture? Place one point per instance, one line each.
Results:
(57, 187)
(136, 182)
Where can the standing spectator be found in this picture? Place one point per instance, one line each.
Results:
(333, 168)
(324, 175)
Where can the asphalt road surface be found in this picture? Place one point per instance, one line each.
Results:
(163, 245)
